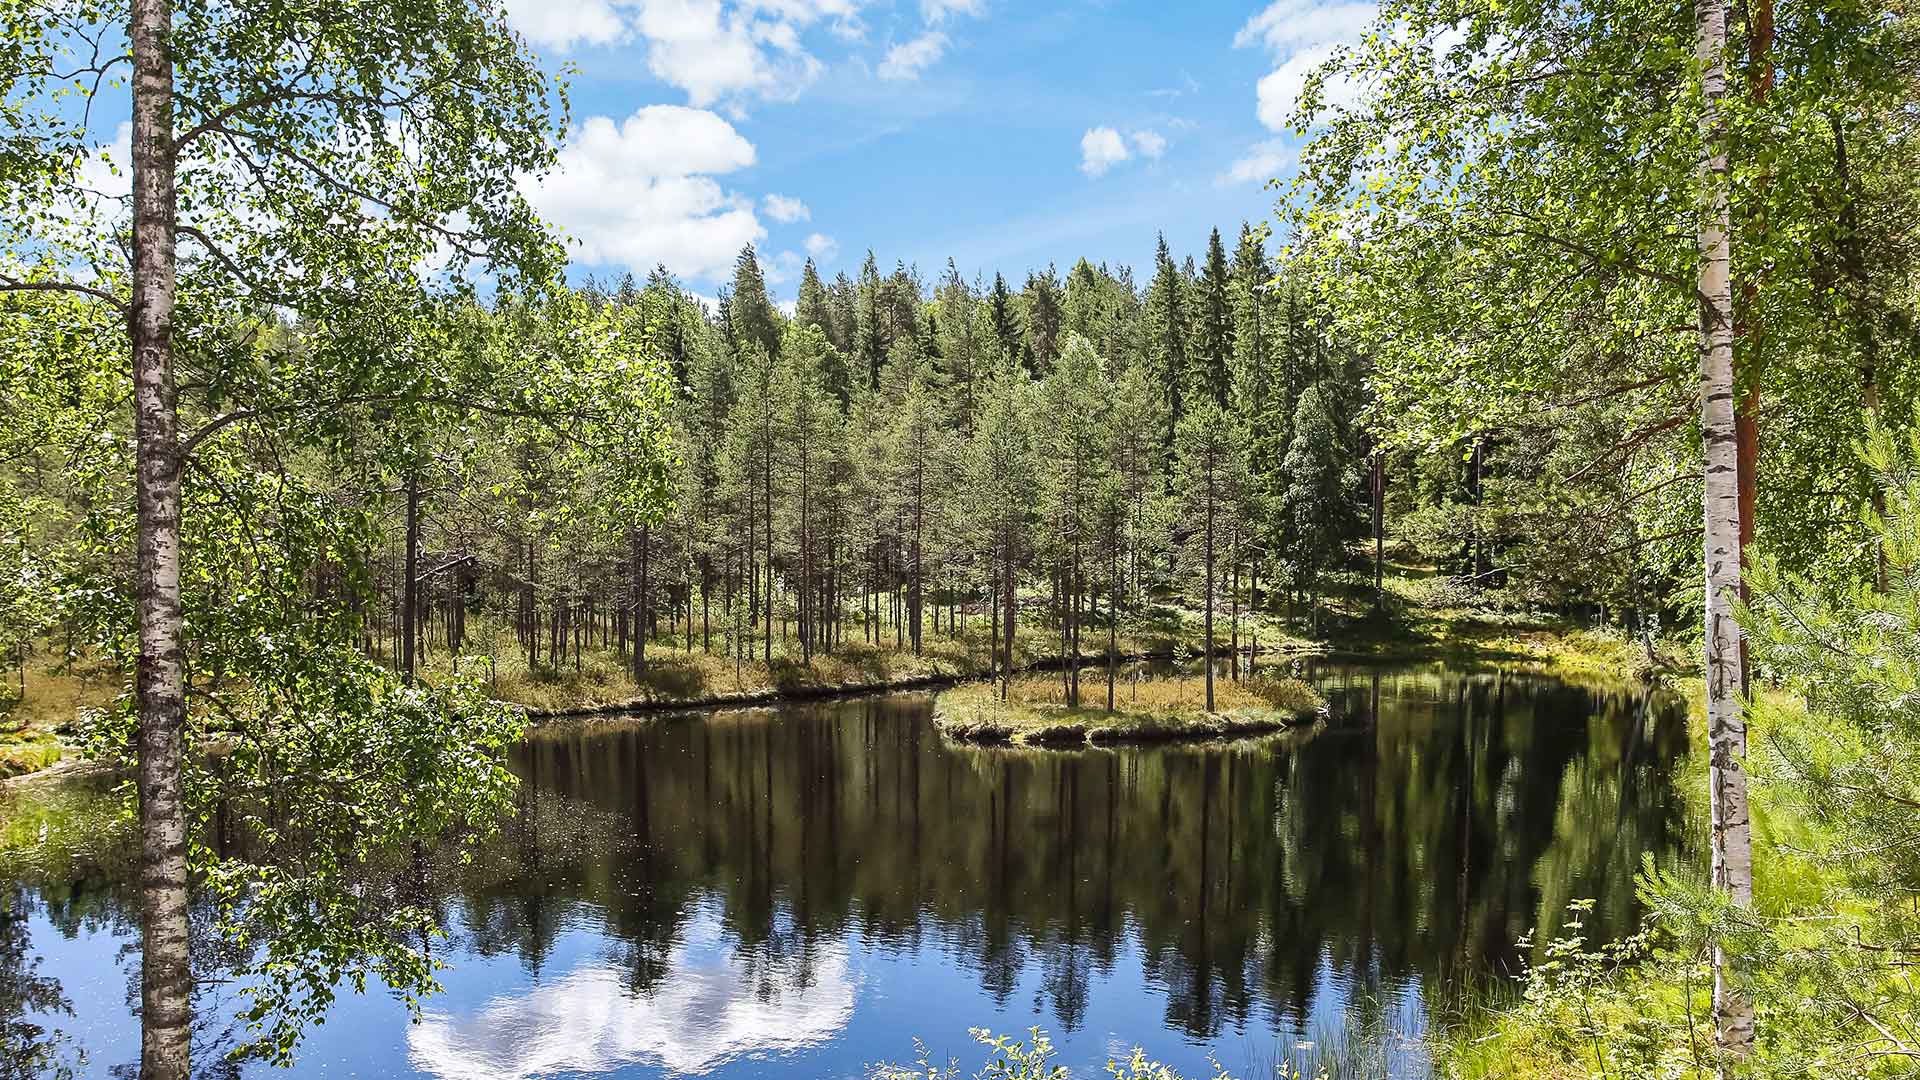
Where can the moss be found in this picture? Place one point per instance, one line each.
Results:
(20, 755)
(1036, 713)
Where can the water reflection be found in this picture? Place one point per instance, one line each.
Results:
(718, 1005)
(809, 888)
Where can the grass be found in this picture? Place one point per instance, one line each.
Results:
(1036, 713)
(676, 675)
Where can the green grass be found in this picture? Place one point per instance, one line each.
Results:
(1036, 712)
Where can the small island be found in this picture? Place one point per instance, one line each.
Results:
(1035, 710)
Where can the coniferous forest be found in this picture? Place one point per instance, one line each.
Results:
(1568, 392)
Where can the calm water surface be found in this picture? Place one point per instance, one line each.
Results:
(802, 891)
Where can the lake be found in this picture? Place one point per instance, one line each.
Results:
(805, 890)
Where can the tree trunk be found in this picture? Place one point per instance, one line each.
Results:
(1726, 726)
(1379, 528)
(1209, 594)
(640, 626)
(410, 588)
(1010, 613)
(166, 976)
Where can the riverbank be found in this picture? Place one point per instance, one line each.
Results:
(1419, 621)
(46, 703)
(1035, 711)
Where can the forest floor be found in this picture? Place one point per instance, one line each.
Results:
(1036, 711)
(1422, 616)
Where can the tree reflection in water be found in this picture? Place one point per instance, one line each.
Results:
(680, 893)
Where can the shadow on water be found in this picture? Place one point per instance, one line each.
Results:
(807, 888)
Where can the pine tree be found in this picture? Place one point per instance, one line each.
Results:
(1209, 481)
(1002, 486)
(1074, 399)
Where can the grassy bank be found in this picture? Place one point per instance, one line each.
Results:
(1036, 712)
(35, 708)
(1422, 617)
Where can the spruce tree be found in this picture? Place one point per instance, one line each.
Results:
(755, 319)
(1213, 326)
(811, 306)
(1166, 333)
(1042, 303)
(1317, 501)
(1006, 322)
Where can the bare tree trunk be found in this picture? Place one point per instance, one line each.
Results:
(410, 588)
(1209, 592)
(1726, 726)
(166, 976)
(640, 626)
(1011, 613)
(1379, 528)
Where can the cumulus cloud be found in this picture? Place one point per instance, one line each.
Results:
(1286, 26)
(786, 209)
(643, 191)
(908, 59)
(562, 24)
(821, 246)
(717, 51)
(1262, 162)
(1101, 148)
(1302, 35)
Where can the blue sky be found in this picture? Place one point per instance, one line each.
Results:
(1003, 134)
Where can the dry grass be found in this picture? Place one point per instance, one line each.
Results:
(675, 675)
(1036, 712)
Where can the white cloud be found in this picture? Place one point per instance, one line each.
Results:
(642, 192)
(1279, 90)
(1302, 35)
(821, 246)
(786, 209)
(1262, 162)
(1287, 26)
(937, 11)
(562, 24)
(717, 51)
(909, 58)
(1101, 148)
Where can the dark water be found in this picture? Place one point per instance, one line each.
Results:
(803, 891)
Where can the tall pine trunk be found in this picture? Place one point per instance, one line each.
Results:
(410, 588)
(1726, 726)
(166, 977)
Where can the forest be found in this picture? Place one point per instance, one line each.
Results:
(1595, 321)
